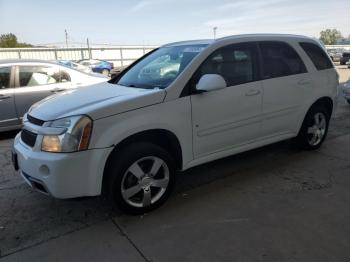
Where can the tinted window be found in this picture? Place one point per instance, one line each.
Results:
(318, 57)
(5, 74)
(279, 59)
(38, 75)
(234, 63)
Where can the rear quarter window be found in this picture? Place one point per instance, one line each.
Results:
(317, 55)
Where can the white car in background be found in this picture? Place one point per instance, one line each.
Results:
(128, 137)
(24, 82)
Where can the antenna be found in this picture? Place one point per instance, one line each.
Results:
(66, 34)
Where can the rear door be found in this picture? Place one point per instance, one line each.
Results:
(8, 114)
(286, 85)
(35, 82)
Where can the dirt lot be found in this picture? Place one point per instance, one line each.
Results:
(271, 204)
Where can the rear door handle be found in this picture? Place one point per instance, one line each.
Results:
(3, 97)
(252, 92)
(304, 82)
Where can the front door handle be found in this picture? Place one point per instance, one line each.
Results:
(253, 92)
(3, 97)
(57, 90)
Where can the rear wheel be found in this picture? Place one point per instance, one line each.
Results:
(314, 128)
(105, 72)
(141, 178)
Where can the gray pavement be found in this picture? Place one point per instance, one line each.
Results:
(271, 204)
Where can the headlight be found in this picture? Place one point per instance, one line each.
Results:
(76, 138)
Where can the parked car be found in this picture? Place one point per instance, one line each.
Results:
(116, 71)
(345, 58)
(128, 137)
(335, 54)
(98, 66)
(24, 82)
(76, 66)
(346, 91)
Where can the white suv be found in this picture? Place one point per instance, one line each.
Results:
(181, 105)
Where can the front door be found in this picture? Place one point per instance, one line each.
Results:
(230, 117)
(8, 115)
(35, 82)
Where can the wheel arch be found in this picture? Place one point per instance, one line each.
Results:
(324, 101)
(161, 137)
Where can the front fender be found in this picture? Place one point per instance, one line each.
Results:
(173, 116)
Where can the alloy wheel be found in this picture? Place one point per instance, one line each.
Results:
(317, 130)
(145, 181)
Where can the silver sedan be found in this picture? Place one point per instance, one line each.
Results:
(24, 82)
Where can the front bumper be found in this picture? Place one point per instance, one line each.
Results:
(62, 175)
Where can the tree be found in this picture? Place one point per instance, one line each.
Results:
(10, 40)
(330, 36)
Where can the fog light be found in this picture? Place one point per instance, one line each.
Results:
(44, 169)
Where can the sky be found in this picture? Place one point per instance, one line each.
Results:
(155, 22)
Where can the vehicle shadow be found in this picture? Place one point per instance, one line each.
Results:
(8, 134)
(233, 166)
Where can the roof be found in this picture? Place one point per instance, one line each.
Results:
(210, 41)
(16, 61)
(191, 42)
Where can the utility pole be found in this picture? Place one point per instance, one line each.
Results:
(88, 46)
(214, 31)
(66, 34)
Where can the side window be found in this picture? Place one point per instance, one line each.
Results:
(38, 75)
(5, 76)
(235, 63)
(279, 59)
(318, 57)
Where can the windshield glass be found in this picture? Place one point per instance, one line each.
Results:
(159, 69)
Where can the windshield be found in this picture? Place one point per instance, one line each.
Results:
(159, 69)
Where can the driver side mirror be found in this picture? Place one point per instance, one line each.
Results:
(210, 82)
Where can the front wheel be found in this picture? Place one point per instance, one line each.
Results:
(314, 128)
(141, 178)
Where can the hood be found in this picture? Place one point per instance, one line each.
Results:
(96, 101)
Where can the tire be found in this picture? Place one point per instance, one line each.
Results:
(348, 101)
(312, 133)
(105, 72)
(131, 181)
